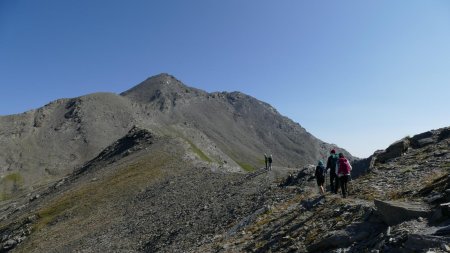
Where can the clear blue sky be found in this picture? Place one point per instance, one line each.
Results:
(360, 74)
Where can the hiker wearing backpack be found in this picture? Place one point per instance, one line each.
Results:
(320, 176)
(270, 162)
(265, 159)
(344, 173)
(331, 165)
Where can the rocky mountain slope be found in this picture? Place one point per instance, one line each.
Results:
(144, 193)
(230, 131)
(174, 180)
(401, 204)
(147, 193)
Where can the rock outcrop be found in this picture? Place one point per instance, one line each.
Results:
(395, 212)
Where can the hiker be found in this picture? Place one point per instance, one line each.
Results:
(270, 162)
(320, 176)
(265, 159)
(344, 173)
(331, 165)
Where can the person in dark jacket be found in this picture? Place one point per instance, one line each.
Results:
(344, 173)
(331, 165)
(266, 159)
(270, 162)
(320, 176)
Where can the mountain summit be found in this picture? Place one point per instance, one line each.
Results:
(160, 87)
(159, 155)
(164, 167)
(228, 131)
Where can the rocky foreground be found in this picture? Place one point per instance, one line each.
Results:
(401, 204)
(134, 197)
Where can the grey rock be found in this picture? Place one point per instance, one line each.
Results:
(418, 137)
(443, 231)
(425, 142)
(336, 239)
(34, 197)
(394, 150)
(9, 244)
(418, 242)
(434, 198)
(394, 212)
(444, 134)
(246, 221)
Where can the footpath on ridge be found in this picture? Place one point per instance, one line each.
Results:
(400, 204)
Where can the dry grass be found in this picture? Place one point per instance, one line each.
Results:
(92, 205)
(85, 199)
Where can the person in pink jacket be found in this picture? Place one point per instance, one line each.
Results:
(344, 169)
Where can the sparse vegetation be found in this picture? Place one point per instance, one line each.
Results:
(84, 201)
(14, 177)
(199, 152)
(10, 183)
(4, 196)
(246, 166)
(407, 169)
(446, 166)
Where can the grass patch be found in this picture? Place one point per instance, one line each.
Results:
(446, 166)
(4, 196)
(407, 169)
(93, 199)
(10, 184)
(246, 166)
(199, 152)
(14, 177)
(51, 213)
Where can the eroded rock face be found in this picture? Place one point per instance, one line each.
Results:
(418, 141)
(394, 212)
(394, 150)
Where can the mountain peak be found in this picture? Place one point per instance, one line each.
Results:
(161, 85)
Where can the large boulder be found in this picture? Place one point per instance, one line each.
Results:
(395, 212)
(394, 150)
(444, 134)
(417, 141)
(421, 243)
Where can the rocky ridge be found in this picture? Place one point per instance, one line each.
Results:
(401, 204)
(230, 131)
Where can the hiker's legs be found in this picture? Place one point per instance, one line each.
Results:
(336, 184)
(344, 180)
(332, 176)
(320, 182)
(266, 165)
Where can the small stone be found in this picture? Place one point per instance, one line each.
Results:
(9, 244)
(445, 247)
(388, 231)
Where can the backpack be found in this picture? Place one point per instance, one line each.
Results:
(320, 171)
(344, 167)
(333, 161)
